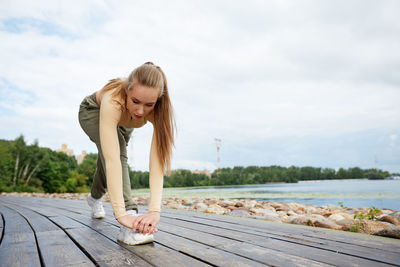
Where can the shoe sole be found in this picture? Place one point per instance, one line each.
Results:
(150, 240)
(145, 241)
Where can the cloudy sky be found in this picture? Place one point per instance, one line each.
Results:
(304, 83)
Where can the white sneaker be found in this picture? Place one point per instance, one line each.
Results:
(127, 236)
(97, 207)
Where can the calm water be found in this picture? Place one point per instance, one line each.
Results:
(353, 193)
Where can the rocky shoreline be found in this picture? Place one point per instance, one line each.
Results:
(384, 222)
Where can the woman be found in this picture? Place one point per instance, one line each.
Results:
(108, 117)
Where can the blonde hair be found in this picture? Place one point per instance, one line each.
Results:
(150, 75)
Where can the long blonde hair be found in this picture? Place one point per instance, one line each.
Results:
(150, 75)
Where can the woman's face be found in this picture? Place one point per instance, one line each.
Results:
(141, 100)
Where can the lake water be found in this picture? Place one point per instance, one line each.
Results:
(353, 193)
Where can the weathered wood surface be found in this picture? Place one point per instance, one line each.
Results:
(60, 232)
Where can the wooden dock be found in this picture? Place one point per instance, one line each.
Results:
(59, 232)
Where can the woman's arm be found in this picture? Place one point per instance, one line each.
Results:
(109, 118)
(156, 177)
(147, 223)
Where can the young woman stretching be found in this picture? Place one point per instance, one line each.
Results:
(108, 117)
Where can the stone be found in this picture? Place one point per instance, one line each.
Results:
(210, 201)
(336, 217)
(273, 204)
(387, 212)
(371, 227)
(260, 205)
(340, 216)
(226, 203)
(215, 209)
(393, 231)
(346, 223)
(351, 210)
(231, 207)
(281, 213)
(281, 208)
(389, 219)
(239, 204)
(239, 213)
(314, 220)
(310, 209)
(283, 218)
(187, 202)
(396, 214)
(262, 212)
(347, 216)
(325, 223)
(329, 213)
(296, 207)
(299, 219)
(200, 206)
(317, 216)
(176, 206)
(291, 213)
(250, 204)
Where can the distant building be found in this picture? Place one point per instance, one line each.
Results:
(80, 158)
(64, 149)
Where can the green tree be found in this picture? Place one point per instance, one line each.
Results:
(341, 174)
(77, 183)
(55, 170)
(88, 167)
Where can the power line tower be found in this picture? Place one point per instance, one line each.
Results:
(218, 144)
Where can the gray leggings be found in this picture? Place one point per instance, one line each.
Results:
(89, 115)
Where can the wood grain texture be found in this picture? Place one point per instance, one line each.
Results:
(322, 251)
(56, 248)
(18, 247)
(198, 239)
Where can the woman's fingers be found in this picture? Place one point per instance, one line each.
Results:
(137, 223)
(146, 224)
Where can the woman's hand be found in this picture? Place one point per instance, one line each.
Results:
(146, 224)
(127, 220)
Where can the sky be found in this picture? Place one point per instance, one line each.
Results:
(304, 83)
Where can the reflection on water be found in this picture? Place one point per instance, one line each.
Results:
(354, 193)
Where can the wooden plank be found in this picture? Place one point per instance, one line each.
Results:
(37, 222)
(338, 239)
(1, 226)
(290, 231)
(100, 226)
(104, 251)
(65, 222)
(96, 245)
(18, 247)
(286, 234)
(194, 249)
(156, 254)
(244, 249)
(294, 230)
(55, 247)
(289, 248)
(260, 238)
(208, 254)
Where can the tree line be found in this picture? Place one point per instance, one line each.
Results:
(31, 168)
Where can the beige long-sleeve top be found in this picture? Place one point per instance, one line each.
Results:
(111, 116)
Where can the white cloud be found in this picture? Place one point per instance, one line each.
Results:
(247, 72)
